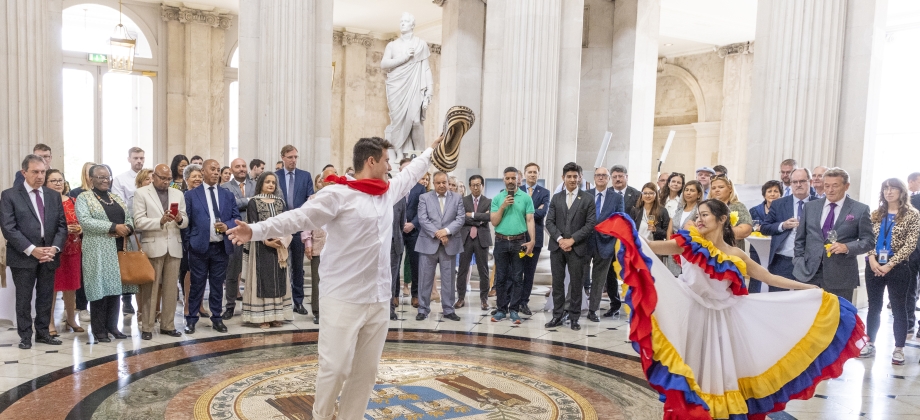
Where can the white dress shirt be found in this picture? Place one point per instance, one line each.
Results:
(124, 186)
(213, 210)
(29, 189)
(356, 266)
(827, 210)
(787, 249)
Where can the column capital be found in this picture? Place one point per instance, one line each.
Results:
(434, 48)
(350, 38)
(738, 48)
(439, 2)
(186, 15)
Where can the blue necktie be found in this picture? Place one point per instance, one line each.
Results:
(290, 190)
(801, 207)
(597, 204)
(214, 208)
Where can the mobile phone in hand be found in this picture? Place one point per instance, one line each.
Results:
(174, 209)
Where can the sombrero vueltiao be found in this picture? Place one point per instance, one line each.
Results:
(458, 122)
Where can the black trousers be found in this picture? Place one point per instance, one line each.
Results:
(104, 315)
(567, 300)
(509, 268)
(410, 241)
(530, 267)
(470, 248)
(82, 303)
(296, 252)
(39, 279)
(232, 283)
(897, 281)
(395, 261)
(208, 269)
(314, 285)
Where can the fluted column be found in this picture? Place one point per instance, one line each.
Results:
(736, 107)
(531, 79)
(31, 95)
(285, 79)
(798, 70)
(354, 97)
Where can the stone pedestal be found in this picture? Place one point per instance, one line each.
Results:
(736, 108)
(633, 76)
(31, 101)
(285, 77)
(815, 85)
(462, 41)
(531, 73)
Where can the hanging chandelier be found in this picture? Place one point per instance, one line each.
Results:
(121, 56)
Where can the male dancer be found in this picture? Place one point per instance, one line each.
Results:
(356, 288)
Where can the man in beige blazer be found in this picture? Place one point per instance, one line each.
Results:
(161, 241)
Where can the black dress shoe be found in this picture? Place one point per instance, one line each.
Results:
(484, 304)
(421, 317)
(393, 316)
(103, 339)
(452, 317)
(146, 336)
(227, 314)
(126, 307)
(25, 344)
(525, 310)
(190, 329)
(575, 326)
(119, 335)
(611, 313)
(48, 340)
(301, 310)
(171, 333)
(553, 323)
(219, 326)
(493, 311)
(592, 316)
(315, 319)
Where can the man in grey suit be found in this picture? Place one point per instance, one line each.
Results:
(606, 203)
(397, 247)
(243, 188)
(440, 216)
(569, 224)
(477, 238)
(849, 219)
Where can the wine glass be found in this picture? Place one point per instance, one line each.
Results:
(832, 236)
(756, 225)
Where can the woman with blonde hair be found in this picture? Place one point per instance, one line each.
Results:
(721, 188)
(144, 178)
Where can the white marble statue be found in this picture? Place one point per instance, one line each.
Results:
(409, 88)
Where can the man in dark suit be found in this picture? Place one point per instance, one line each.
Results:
(397, 248)
(619, 176)
(243, 189)
(296, 187)
(441, 217)
(781, 224)
(211, 211)
(540, 197)
(410, 231)
(477, 238)
(570, 224)
(33, 223)
(606, 203)
(839, 273)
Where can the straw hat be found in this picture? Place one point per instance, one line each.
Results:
(458, 122)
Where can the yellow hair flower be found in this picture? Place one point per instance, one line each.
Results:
(733, 218)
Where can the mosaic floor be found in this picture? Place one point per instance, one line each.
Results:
(432, 369)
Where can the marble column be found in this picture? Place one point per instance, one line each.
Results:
(736, 107)
(633, 78)
(462, 41)
(285, 79)
(195, 82)
(31, 101)
(531, 76)
(354, 98)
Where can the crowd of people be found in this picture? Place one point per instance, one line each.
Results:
(63, 239)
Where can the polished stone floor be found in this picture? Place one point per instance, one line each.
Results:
(254, 373)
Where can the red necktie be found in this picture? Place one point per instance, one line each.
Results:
(473, 229)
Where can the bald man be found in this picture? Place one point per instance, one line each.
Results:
(313, 241)
(243, 188)
(212, 211)
(159, 214)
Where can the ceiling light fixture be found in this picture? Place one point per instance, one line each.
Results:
(121, 57)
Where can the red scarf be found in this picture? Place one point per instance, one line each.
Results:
(367, 185)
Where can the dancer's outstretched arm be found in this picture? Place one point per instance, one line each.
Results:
(758, 272)
(669, 247)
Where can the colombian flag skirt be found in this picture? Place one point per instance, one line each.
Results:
(714, 352)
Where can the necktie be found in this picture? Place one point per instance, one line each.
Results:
(829, 222)
(801, 207)
(441, 202)
(41, 206)
(243, 188)
(214, 208)
(473, 229)
(788, 191)
(530, 191)
(569, 198)
(597, 204)
(290, 190)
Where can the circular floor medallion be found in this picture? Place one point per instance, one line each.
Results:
(411, 389)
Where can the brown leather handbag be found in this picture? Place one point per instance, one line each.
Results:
(135, 267)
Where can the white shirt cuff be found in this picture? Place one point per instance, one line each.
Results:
(29, 250)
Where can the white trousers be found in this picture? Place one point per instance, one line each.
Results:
(351, 339)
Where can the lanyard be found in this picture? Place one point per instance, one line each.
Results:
(887, 227)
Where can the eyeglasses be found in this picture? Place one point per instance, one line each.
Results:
(102, 178)
(601, 175)
(647, 193)
(55, 181)
(800, 181)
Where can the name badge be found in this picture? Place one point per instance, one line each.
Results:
(883, 256)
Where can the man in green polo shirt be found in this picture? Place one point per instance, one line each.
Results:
(512, 216)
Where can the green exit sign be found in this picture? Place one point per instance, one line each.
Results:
(97, 58)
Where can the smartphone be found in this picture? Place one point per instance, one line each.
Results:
(174, 209)
(511, 192)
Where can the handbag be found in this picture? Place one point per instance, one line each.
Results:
(135, 267)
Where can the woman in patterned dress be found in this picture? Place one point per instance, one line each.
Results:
(67, 276)
(106, 223)
(177, 167)
(267, 298)
(721, 188)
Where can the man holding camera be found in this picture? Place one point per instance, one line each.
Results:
(512, 215)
